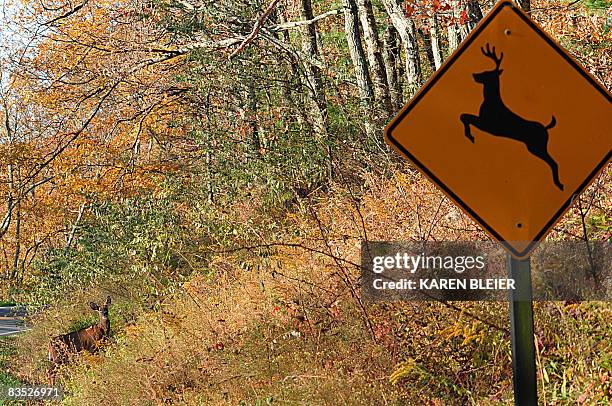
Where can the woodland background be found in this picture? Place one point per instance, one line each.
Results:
(214, 166)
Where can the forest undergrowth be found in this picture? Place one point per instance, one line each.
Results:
(280, 320)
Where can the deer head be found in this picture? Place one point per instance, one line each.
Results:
(102, 313)
(491, 75)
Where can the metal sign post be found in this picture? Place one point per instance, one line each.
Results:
(521, 331)
(533, 144)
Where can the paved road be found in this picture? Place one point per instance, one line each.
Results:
(10, 321)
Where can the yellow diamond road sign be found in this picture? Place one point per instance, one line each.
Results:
(511, 128)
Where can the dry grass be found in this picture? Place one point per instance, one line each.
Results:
(281, 325)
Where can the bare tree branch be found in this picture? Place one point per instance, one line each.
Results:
(6, 221)
(67, 14)
(75, 226)
(228, 42)
(295, 24)
(256, 29)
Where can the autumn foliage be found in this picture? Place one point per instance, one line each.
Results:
(215, 166)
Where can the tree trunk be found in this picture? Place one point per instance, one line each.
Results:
(406, 29)
(428, 51)
(525, 5)
(375, 58)
(474, 13)
(17, 252)
(457, 31)
(434, 35)
(314, 83)
(364, 83)
(453, 37)
(75, 226)
(391, 55)
(290, 75)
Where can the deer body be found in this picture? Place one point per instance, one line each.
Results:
(87, 339)
(497, 119)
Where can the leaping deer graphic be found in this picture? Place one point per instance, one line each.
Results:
(497, 119)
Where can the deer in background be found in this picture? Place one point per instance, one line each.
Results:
(498, 120)
(85, 339)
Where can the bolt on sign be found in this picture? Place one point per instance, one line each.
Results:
(511, 128)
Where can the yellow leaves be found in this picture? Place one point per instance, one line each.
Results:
(403, 370)
(472, 332)
(91, 359)
(16, 152)
(133, 330)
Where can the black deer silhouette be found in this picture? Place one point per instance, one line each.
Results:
(497, 119)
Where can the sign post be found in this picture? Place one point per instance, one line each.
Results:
(511, 128)
(521, 332)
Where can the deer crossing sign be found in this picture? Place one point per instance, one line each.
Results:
(511, 128)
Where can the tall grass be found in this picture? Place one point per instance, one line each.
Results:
(282, 323)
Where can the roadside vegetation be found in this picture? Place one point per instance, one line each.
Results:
(7, 379)
(279, 322)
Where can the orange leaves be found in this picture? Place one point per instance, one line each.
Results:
(90, 115)
(16, 153)
(586, 34)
